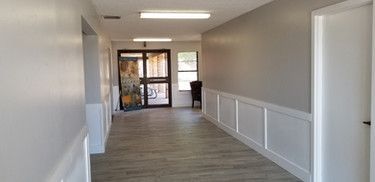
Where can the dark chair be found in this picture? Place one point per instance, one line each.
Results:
(196, 92)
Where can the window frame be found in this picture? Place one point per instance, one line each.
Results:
(187, 71)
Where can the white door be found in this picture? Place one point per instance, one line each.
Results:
(346, 77)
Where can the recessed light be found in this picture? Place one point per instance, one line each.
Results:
(152, 40)
(175, 15)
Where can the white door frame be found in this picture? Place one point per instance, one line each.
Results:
(316, 84)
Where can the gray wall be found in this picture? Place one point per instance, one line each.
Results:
(264, 54)
(42, 97)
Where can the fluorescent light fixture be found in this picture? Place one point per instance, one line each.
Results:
(152, 40)
(175, 15)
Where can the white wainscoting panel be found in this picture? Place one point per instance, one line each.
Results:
(94, 119)
(289, 137)
(279, 133)
(75, 164)
(109, 115)
(98, 125)
(104, 119)
(228, 112)
(211, 101)
(251, 122)
(77, 171)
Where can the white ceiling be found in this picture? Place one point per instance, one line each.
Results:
(131, 26)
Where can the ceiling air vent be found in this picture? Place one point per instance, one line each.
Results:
(111, 17)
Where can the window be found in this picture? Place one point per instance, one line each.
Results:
(187, 69)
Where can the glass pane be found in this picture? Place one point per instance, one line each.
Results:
(187, 61)
(184, 79)
(158, 94)
(140, 67)
(157, 65)
(139, 56)
(133, 55)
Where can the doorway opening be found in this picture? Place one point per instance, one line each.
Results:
(153, 70)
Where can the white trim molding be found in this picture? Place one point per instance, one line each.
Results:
(279, 133)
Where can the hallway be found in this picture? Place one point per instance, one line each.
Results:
(178, 145)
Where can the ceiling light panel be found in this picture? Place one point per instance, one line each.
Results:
(174, 15)
(152, 40)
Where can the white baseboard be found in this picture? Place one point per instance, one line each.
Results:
(282, 134)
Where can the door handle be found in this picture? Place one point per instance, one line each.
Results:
(367, 123)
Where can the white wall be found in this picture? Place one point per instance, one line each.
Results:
(279, 133)
(179, 99)
(42, 98)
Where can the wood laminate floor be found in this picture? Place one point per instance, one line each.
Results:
(178, 145)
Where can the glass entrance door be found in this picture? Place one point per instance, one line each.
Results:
(154, 73)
